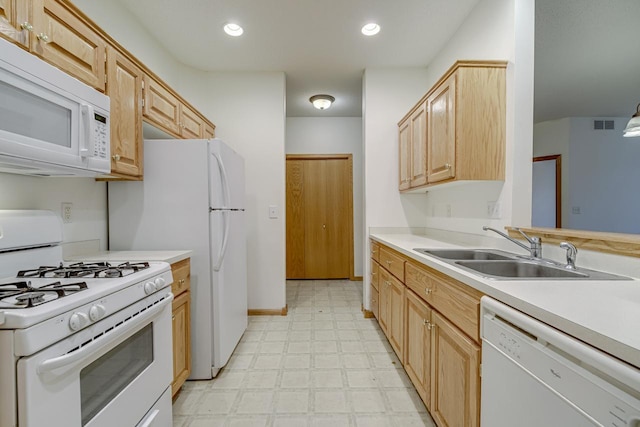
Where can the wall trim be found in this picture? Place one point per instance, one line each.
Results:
(268, 311)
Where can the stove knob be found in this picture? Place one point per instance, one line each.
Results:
(149, 288)
(78, 321)
(96, 312)
(160, 283)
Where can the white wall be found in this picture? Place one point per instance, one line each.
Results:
(598, 166)
(89, 210)
(552, 137)
(334, 135)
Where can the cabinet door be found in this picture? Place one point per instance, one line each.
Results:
(13, 14)
(209, 131)
(191, 125)
(417, 345)
(455, 376)
(418, 138)
(181, 341)
(395, 325)
(124, 87)
(65, 41)
(375, 303)
(442, 132)
(161, 107)
(384, 292)
(404, 142)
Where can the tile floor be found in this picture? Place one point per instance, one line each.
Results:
(322, 365)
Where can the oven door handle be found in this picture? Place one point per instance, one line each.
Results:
(105, 340)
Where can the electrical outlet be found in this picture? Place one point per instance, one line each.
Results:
(67, 212)
(273, 211)
(575, 210)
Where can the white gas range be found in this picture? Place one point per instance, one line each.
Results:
(81, 344)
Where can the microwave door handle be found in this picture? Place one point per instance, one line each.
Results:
(88, 131)
(105, 340)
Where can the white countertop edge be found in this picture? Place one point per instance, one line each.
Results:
(590, 315)
(123, 256)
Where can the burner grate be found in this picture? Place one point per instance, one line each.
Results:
(23, 295)
(85, 270)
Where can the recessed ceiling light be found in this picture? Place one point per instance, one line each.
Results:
(234, 30)
(322, 102)
(371, 29)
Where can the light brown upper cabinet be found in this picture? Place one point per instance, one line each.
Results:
(464, 115)
(64, 40)
(209, 131)
(14, 21)
(404, 139)
(124, 87)
(167, 111)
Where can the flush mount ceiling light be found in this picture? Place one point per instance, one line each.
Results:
(633, 127)
(322, 102)
(234, 30)
(371, 29)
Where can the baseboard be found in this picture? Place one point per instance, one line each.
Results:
(356, 278)
(268, 312)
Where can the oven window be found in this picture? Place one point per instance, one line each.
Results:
(103, 379)
(28, 115)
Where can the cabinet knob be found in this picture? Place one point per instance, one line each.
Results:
(427, 291)
(43, 38)
(389, 262)
(116, 157)
(388, 283)
(447, 165)
(324, 226)
(372, 300)
(26, 26)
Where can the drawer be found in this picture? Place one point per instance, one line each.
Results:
(375, 302)
(455, 300)
(393, 263)
(375, 251)
(375, 275)
(181, 272)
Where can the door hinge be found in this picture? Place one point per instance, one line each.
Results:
(480, 370)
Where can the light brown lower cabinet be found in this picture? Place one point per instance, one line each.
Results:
(181, 322)
(432, 324)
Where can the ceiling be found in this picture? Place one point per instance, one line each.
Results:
(317, 43)
(586, 60)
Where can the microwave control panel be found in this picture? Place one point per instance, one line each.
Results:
(100, 137)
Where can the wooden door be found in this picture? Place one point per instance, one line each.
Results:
(13, 14)
(396, 316)
(161, 107)
(404, 141)
(417, 345)
(419, 146)
(319, 217)
(384, 292)
(181, 320)
(62, 39)
(192, 126)
(455, 367)
(124, 87)
(442, 132)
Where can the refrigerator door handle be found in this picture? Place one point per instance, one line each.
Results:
(223, 246)
(225, 181)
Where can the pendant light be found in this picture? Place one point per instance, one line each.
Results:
(633, 127)
(322, 102)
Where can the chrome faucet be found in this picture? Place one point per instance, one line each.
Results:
(536, 244)
(572, 253)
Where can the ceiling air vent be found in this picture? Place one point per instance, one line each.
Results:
(603, 124)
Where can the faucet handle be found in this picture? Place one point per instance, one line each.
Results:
(572, 253)
(529, 239)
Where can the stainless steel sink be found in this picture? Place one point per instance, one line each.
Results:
(521, 269)
(501, 265)
(467, 254)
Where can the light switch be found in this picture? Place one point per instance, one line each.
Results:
(273, 211)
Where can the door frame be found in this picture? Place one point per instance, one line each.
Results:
(349, 158)
(558, 159)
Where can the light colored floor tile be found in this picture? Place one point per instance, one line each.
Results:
(256, 402)
(322, 365)
(292, 402)
(217, 402)
(330, 402)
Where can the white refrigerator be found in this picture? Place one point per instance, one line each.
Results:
(192, 198)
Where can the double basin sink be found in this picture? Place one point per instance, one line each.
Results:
(500, 265)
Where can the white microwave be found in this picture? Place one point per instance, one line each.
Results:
(50, 123)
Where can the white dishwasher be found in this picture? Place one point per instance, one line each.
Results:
(533, 376)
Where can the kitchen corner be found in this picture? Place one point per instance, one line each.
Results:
(586, 315)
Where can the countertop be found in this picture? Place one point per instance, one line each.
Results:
(112, 256)
(605, 314)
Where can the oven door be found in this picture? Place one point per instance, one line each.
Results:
(109, 374)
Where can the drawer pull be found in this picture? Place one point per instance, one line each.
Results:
(388, 283)
(372, 300)
(427, 291)
(373, 273)
(428, 324)
(389, 262)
